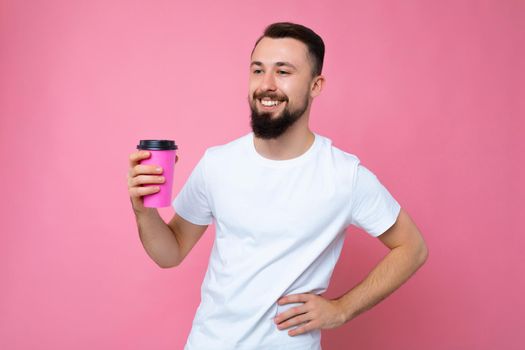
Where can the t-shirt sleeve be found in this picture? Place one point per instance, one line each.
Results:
(373, 208)
(192, 202)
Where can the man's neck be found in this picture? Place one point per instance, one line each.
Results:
(293, 143)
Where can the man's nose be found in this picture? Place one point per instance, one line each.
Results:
(268, 82)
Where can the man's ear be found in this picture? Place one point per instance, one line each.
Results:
(317, 85)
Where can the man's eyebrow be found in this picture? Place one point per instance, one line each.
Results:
(278, 64)
(286, 64)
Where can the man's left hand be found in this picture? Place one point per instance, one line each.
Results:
(317, 311)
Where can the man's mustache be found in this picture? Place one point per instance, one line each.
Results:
(270, 95)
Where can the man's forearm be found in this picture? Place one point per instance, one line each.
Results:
(391, 272)
(158, 239)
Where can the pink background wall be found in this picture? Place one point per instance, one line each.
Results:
(429, 94)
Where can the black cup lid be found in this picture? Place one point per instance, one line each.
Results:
(157, 145)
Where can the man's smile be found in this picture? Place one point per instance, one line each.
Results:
(268, 104)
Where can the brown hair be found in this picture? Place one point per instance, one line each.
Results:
(313, 42)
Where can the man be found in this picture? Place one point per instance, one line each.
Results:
(281, 198)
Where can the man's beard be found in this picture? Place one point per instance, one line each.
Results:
(266, 127)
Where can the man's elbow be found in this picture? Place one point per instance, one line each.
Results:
(167, 264)
(422, 254)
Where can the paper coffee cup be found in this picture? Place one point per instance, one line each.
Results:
(163, 153)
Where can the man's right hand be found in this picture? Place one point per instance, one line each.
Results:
(141, 174)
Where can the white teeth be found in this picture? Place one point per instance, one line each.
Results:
(270, 103)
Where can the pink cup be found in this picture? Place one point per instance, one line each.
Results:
(163, 154)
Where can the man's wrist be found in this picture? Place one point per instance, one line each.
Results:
(139, 209)
(346, 308)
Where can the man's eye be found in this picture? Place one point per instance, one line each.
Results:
(257, 71)
(283, 72)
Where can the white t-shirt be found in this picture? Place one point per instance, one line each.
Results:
(280, 227)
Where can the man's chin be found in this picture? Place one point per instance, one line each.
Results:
(268, 115)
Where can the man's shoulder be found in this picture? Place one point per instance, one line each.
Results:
(337, 154)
